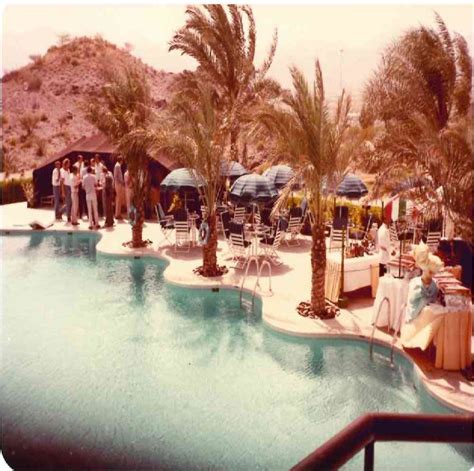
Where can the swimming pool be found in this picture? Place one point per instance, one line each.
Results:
(105, 364)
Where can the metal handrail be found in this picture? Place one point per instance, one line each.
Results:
(396, 330)
(257, 283)
(370, 428)
(250, 260)
(371, 345)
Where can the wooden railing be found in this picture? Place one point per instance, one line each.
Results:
(384, 427)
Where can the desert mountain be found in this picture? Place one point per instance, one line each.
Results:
(42, 102)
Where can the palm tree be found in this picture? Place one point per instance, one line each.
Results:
(422, 95)
(311, 139)
(124, 108)
(193, 132)
(225, 50)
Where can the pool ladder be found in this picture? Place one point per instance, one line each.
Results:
(254, 259)
(395, 332)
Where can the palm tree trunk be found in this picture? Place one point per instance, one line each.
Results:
(318, 269)
(137, 228)
(209, 251)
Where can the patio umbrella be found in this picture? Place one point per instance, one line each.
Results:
(352, 187)
(233, 169)
(253, 188)
(279, 175)
(181, 180)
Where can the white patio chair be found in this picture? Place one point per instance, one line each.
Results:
(432, 241)
(240, 250)
(293, 230)
(335, 239)
(182, 241)
(270, 246)
(240, 214)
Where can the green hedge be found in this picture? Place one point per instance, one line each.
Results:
(357, 214)
(11, 190)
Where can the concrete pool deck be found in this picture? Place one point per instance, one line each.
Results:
(290, 285)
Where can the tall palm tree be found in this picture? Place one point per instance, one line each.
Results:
(123, 108)
(311, 139)
(225, 51)
(194, 132)
(431, 138)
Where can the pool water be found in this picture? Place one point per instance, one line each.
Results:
(104, 364)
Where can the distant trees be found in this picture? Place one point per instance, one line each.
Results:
(222, 39)
(421, 93)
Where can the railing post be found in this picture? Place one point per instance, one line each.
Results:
(369, 457)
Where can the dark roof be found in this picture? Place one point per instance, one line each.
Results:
(99, 143)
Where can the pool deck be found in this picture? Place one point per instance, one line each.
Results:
(290, 285)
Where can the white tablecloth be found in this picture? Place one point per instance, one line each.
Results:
(396, 291)
(357, 270)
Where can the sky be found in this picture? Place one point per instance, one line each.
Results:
(347, 39)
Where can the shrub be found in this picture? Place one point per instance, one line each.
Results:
(29, 121)
(33, 83)
(41, 147)
(74, 62)
(44, 117)
(38, 60)
(11, 190)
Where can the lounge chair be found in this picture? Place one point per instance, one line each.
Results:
(166, 223)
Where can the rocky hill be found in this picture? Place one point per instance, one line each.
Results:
(42, 102)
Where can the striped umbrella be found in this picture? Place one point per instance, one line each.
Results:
(279, 175)
(233, 169)
(253, 188)
(352, 187)
(181, 180)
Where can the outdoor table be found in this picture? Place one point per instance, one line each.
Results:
(359, 272)
(396, 291)
(192, 218)
(448, 329)
(253, 233)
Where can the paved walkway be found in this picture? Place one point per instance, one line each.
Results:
(290, 285)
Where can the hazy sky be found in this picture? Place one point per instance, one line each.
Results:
(305, 32)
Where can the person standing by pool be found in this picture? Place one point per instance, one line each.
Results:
(128, 190)
(56, 182)
(89, 183)
(66, 179)
(119, 188)
(98, 176)
(75, 184)
(108, 194)
(383, 244)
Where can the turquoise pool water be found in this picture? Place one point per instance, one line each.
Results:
(105, 364)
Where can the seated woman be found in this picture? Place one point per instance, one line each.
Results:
(175, 203)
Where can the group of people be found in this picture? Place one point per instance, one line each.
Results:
(90, 186)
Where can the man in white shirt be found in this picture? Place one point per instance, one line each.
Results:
(119, 188)
(89, 183)
(56, 182)
(383, 243)
(66, 180)
(75, 183)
